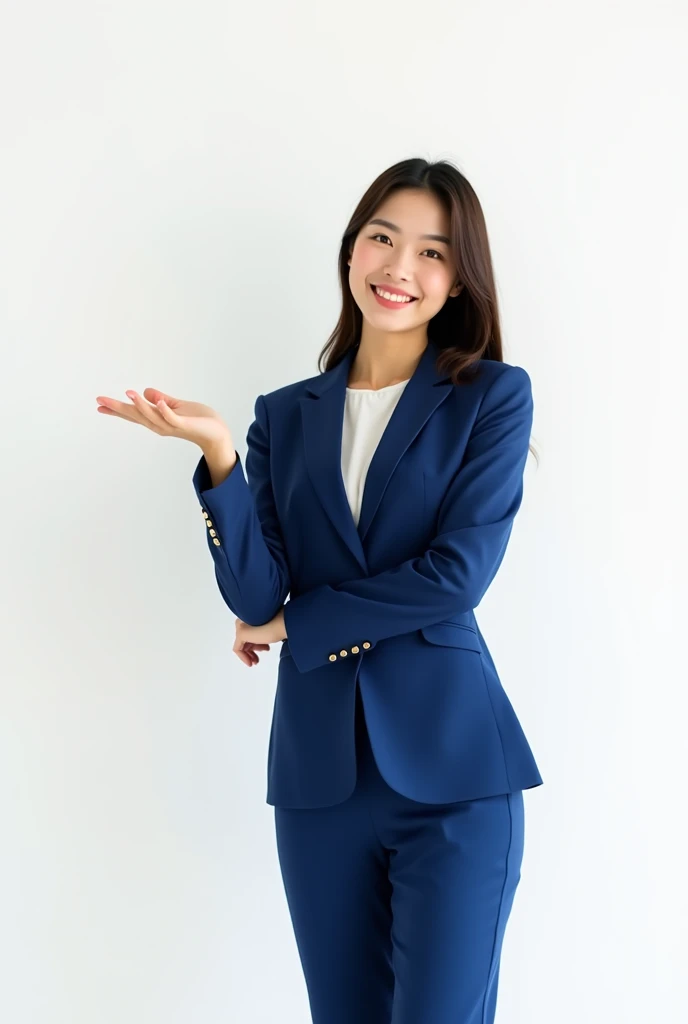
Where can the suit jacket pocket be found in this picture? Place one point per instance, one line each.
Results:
(452, 634)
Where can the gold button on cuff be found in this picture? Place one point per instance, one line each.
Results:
(366, 645)
(216, 541)
(354, 650)
(205, 514)
(208, 523)
(343, 654)
(333, 657)
(213, 533)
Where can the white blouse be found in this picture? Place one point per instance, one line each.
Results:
(366, 413)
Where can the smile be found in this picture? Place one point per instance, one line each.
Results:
(390, 302)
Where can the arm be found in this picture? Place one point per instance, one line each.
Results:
(250, 560)
(452, 576)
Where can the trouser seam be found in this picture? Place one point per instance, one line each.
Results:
(499, 908)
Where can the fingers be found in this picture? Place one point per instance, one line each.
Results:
(138, 412)
(246, 651)
(123, 410)
(154, 396)
(167, 414)
(160, 419)
(243, 655)
(151, 416)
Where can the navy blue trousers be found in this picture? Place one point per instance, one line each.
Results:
(399, 907)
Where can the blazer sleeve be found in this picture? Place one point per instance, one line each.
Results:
(453, 574)
(243, 529)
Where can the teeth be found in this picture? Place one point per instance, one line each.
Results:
(392, 298)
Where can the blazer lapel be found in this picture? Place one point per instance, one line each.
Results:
(322, 410)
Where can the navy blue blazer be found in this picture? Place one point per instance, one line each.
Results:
(390, 602)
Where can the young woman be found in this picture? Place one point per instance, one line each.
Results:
(379, 496)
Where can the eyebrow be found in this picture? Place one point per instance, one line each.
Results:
(393, 227)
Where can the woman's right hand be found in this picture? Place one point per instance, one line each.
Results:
(170, 417)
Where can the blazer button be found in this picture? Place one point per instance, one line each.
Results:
(208, 523)
(216, 541)
(213, 533)
(205, 514)
(354, 650)
(343, 654)
(366, 645)
(333, 657)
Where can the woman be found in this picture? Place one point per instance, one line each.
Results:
(379, 496)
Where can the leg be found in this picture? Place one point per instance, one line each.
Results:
(454, 873)
(335, 875)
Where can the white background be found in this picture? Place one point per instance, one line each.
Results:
(175, 182)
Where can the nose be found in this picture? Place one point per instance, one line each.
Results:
(397, 273)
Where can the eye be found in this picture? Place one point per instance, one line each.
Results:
(439, 254)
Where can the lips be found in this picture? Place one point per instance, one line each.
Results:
(412, 298)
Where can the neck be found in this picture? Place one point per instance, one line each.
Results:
(377, 365)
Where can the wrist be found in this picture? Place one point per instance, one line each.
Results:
(219, 450)
(221, 459)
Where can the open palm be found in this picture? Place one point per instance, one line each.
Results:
(169, 416)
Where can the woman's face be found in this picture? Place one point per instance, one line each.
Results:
(395, 255)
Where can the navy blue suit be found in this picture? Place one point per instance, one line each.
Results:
(392, 736)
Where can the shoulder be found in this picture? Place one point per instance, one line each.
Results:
(500, 382)
(490, 372)
(506, 399)
(491, 380)
(288, 392)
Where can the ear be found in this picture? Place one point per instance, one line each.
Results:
(456, 290)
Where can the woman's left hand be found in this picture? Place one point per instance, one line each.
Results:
(250, 639)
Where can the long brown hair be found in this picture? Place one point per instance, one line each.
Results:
(467, 328)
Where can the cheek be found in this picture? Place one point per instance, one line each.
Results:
(365, 263)
(361, 271)
(436, 282)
